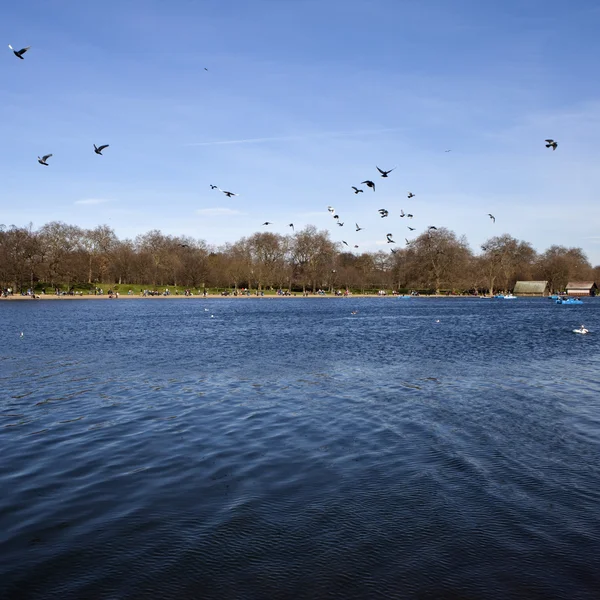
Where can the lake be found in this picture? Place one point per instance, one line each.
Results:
(286, 448)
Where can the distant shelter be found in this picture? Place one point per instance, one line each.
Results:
(531, 288)
(582, 288)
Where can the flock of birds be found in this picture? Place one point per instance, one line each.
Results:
(383, 212)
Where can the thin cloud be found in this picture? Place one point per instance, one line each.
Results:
(89, 201)
(215, 212)
(291, 138)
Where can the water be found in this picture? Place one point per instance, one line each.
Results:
(285, 448)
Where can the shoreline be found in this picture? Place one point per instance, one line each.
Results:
(217, 297)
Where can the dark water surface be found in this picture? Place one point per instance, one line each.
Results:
(285, 448)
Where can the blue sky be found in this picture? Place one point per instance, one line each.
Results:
(301, 100)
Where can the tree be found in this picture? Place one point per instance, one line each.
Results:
(559, 264)
(313, 255)
(439, 258)
(504, 260)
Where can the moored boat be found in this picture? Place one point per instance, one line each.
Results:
(567, 300)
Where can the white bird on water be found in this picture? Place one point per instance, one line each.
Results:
(582, 330)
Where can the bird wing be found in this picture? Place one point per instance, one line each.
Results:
(23, 50)
(45, 158)
(100, 148)
(355, 189)
(382, 172)
(549, 141)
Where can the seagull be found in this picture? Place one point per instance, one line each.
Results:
(432, 227)
(343, 242)
(99, 150)
(385, 173)
(331, 209)
(229, 194)
(213, 187)
(389, 238)
(43, 160)
(267, 223)
(492, 217)
(19, 53)
(551, 144)
(357, 191)
(409, 216)
(411, 228)
(292, 226)
(369, 183)
(358, 228)
(407, 241)
(411, 195)
(340, 224)
(383, 212)
(402, 213)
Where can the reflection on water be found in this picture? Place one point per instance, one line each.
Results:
(290, 449)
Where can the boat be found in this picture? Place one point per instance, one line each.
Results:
(510, 297)
(567, 300)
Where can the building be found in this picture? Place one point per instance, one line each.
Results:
(582, 288)
(531, 288)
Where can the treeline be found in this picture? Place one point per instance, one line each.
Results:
(62, 255)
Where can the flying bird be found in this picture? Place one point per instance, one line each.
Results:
(551, 144)
(447, 150)
(331, 209)
(340, 224)
(407, 241)
(402, 213)
(432, 227)
(357, 191)
(385, 173)
(411, 195)
(336, 216)
(389, 238)
(409, 216)
(358, 228)
(383, 212)
(394, 250)
(369, 183)
(267, 223)
(356, 245)
(411, 228)
(19, 53)
(43, 160)
(492, 217)
(213, 187)
(183, 245)
(229, 194)
(343, 242)
(98, 150)
(292, 226)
